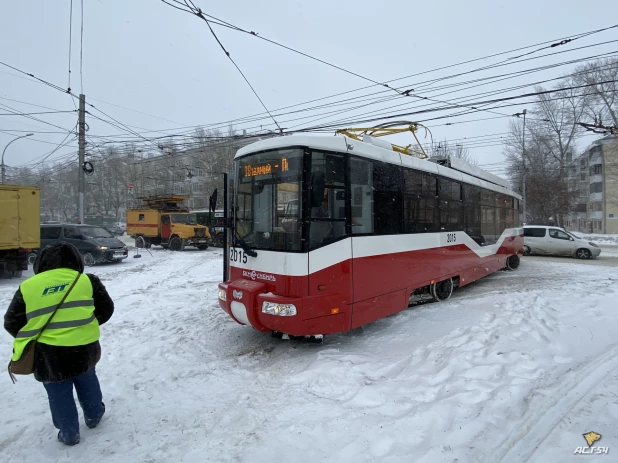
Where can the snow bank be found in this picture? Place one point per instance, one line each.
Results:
(597, 238)
(518, 365)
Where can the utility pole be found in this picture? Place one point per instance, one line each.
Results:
(81, 146)
(523, 156)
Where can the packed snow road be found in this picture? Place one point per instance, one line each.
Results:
(513, 368)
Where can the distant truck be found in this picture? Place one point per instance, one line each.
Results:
(216, 223)
(20, 231)
(164, 221)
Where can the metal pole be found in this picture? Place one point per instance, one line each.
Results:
(523, 156)
(81, 147)
(226, 213)
(4, 151)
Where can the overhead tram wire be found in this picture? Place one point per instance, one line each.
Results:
(146, 139)
(199, 14)
(37, 113)
(343, 101)
(192, 9)
(351, 91)
(493, 91)
(496, 100)
(70, 42)
(342, 93)
(15, 111)
(551, 46)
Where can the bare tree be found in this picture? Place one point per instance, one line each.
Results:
(552, 131)
(601, 101)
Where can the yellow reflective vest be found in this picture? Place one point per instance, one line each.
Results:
(73, 324)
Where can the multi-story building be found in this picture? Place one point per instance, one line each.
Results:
(596, 184)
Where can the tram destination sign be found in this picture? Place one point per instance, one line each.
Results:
(265, 168)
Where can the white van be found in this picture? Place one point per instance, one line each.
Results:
(540, 239)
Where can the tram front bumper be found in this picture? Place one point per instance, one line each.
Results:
(248, 303)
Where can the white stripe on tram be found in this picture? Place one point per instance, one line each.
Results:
(302, 264)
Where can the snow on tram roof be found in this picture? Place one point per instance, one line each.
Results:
(458, 170)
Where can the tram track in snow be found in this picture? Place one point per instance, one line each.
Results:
(560, 401)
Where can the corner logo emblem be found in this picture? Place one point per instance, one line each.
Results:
(237, 294)
(55, 289)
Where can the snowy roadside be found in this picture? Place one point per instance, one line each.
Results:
(598, 238)
(515, 367)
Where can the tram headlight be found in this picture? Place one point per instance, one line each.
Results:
(282, 310)
(222, 295)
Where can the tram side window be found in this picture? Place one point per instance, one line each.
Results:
(472, 212)
(451, 209)
(419, 202)
(329, 218)
(361, 193)
(387, 198)
(489, 216)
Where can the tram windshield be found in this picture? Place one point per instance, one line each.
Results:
(267, 198)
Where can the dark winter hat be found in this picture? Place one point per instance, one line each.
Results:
(58, 255)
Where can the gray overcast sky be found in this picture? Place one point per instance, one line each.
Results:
(149, 57)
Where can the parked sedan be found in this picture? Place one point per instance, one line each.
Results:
(540, 239)
(114, 230)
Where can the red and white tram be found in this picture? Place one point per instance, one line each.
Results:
(331, 233)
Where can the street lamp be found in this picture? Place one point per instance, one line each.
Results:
(7, 145)
(523, 159)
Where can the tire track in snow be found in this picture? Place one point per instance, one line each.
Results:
(541, 423)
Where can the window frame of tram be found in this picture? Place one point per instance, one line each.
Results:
(376, 199)
(450, 205)
(420, 203)
(327, 222)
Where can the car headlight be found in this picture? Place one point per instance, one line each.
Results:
(222, 295)
(103, 248)
(282, 310)
(594, 245)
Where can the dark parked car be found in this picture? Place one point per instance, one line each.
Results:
(114, 230)
(94, 243)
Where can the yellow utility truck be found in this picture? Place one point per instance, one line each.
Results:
(165, 221)
(20, 227)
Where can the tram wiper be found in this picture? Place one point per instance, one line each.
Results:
(245, 247)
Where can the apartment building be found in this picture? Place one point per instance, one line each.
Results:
(595, 180)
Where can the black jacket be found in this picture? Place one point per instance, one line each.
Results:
(57, 363)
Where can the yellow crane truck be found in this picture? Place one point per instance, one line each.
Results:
(20, 229)
(164, 221)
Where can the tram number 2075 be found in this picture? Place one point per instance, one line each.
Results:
(451, 237)
(237, 255)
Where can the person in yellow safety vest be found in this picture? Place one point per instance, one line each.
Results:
(68, 349)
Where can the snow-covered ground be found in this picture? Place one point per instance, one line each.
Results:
(514, 368)
(598, 238)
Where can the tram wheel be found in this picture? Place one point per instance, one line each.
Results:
(442, 290)
(512, 263)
